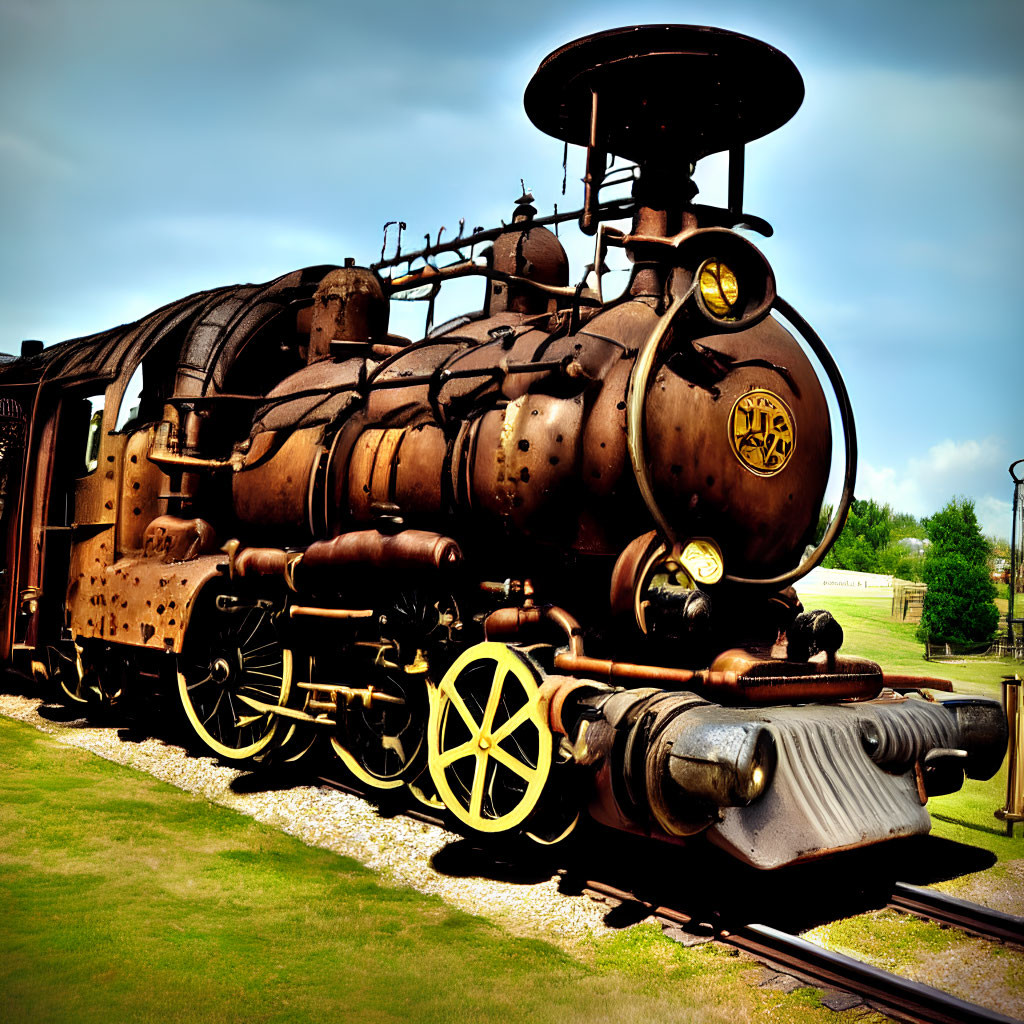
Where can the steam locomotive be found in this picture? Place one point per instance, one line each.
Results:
(534, 566)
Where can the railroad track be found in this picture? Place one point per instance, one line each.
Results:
(790, 954)
(957, 913)
(889, 993)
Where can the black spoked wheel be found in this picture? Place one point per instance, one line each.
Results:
(382, 741)
(230, 674)
(381, 738)
(81, 677)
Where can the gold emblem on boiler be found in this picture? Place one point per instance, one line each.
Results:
(762, 432)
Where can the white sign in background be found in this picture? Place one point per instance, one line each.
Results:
(845, 581)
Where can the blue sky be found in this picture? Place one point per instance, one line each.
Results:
(151, 149)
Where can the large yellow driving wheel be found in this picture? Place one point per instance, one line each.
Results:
(489, 739)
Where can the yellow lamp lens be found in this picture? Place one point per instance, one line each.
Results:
(719, 288)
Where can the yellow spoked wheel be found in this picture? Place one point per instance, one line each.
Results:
(236, 661)
(382, 742)
(424, 791)
(489, 740)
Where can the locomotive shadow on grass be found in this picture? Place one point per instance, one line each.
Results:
(715, 892)
(972, 825)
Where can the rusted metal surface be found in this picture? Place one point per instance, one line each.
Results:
(349, 308)
(515, 622)
(700, 471)
(258, 561)
(273, 487)
(749, 679)
(409, 549)
(178, 540)
(641, 71)
(560, 513)
(533, 254)
(739, 680)
(600, 668)
(139, 602)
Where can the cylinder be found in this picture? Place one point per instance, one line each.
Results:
(370, 549)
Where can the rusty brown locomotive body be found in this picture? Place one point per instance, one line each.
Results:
(534, 566)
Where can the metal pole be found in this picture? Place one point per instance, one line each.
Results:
(1013, 703)
(1017, 481)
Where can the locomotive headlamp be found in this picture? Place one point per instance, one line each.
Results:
(722, 757)
(731, 283)
(719, 288)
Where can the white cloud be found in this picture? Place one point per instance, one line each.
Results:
(885, 485)
(994, 516)
(957, 456)
(923, 485)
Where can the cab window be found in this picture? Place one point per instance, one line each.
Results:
(90, 416)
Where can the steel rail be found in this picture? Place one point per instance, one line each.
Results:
(949, 910)
(890, 993)
(905, 999)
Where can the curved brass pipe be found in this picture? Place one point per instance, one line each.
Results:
(817, 346)
(509, 622)
(635, 400)
(636, 395)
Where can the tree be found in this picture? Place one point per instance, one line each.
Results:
(906, 525)
(1000, 546)
(868, 527)
(958, 607)
(867, 542)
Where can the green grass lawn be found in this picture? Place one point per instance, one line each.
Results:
(123, 899)
(870, 633)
